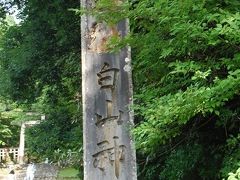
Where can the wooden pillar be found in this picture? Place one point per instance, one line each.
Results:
(109, 152)
(21, 144)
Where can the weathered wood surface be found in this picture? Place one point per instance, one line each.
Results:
(109, 152)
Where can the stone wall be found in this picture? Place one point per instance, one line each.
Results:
(43, 172)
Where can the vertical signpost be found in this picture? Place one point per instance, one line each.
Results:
(109, 152)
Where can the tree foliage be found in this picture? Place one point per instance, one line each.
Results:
(40, 71)
(186, 72)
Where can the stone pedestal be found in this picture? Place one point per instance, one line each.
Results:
(109, 152)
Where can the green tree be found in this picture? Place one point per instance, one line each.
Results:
(41, 72)
(186, 74)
